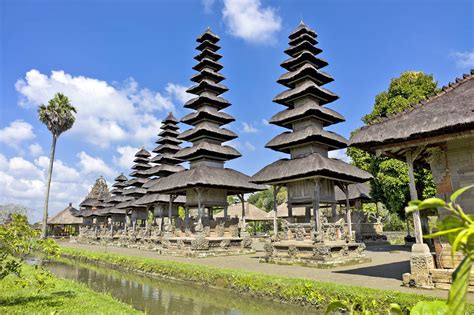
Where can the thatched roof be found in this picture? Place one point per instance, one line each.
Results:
(309, 166)
(209, 149)
(197, 102)
(66, 216)
(207, 73)
(208, 35)
(302, 29)
(289, 115)
(208, 62)
(308, 69)
(292, 63)
(207, 114)
(308, 88)
(252, 213)
(286, 140)
(449, 112)
(207, 84)
(305, 45)
(207, 44)
(360, 191)
(204, 176)
(152, 198)
(88, 202)
(170, 119)
(209, 130)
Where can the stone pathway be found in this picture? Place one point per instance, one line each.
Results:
(385, 271)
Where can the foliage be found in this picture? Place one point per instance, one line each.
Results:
(57, 115)
(408, 89)
(285, 289)
(6, 210)
(17, 240)
(458, 229)
(264, 199)
(65, 297)
(394, 223)
(390, 182)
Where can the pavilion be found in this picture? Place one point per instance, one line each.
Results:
(207, 183)
(309, 175)
(65, 223)
(437, 133)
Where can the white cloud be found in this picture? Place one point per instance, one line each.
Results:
(339, 154)
(208, 4)
(179, 92)
(265, 122)
(105, 113)
(17, 132)
(249, 146)
(35, 149)
(248, 128)
(93, 165)
(464, 59)
(247, 19)
(23, 182)
(126, 156)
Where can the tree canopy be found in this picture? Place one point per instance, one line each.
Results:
(57, 115)
(390, 182)
(264, 199)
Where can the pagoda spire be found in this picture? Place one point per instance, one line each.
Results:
(207, 134)
(139, 175)
(168, 146)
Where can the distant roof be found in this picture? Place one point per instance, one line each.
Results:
(312, 165)
(450, 112)
(204, 176)
(66, 216)
(252, 213)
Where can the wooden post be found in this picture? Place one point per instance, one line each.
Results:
(198, 191)
(334, 212)
(307, 214)
(276, 189)
(317, 219)
(290, 212)
(186, 216)
(225, 212)
(414, 196)
(348, 212)
(241, 197)
(170, 207)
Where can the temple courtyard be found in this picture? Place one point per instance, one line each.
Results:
(384, 272)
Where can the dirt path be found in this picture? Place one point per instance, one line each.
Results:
(385, 271)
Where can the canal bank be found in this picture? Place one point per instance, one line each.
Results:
(63, 297)
(243, 283)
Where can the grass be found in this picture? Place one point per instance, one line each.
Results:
(65, 297)
(284, 289)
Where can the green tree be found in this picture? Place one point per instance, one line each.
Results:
(264, 199)
(390, 176)
(58, 118)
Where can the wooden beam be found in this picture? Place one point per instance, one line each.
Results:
(276, 189)
(348, 212)
(317, 219)
(241, 197)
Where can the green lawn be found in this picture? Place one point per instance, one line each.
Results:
(288, 290)
(66, 297)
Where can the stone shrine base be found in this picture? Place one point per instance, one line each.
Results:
(317, 255)
(201, 247)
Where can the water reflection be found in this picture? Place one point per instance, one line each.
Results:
(157, 296)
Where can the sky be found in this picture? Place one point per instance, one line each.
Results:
(125, 64)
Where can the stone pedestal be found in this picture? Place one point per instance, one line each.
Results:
(421, 262)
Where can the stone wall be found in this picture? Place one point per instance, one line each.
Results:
(453, 167)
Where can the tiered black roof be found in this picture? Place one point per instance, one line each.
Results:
(168, 146)
(139, 175)
(207, 134)
(305, 115)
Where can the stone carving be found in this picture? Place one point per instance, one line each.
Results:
(234, 230)
(268, 248)
(180, 244)
(289, 235)
(224, 244)
(220, 229)
(200, 243)
(299, 233)
(292, 251)
(246, 242)
(321, 251)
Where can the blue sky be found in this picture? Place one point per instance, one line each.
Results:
(125, 64)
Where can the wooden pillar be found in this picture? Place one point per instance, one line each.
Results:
(186, 216)
(410, 157)
(241, 197)
(307, 214)
(276, 188)
(290, 212)
(334, 212)
(317, 218)
(225, 211)
(348, 212)
(170, 207)
(198, 192)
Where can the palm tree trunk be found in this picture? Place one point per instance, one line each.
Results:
(48, 186)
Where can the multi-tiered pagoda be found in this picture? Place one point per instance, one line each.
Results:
(139, 176)
(165, 164)
(207, 183)
(309, 174)
(117, 216)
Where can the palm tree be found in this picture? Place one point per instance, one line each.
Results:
(58, 117)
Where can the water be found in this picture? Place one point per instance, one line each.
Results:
(157, 296)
